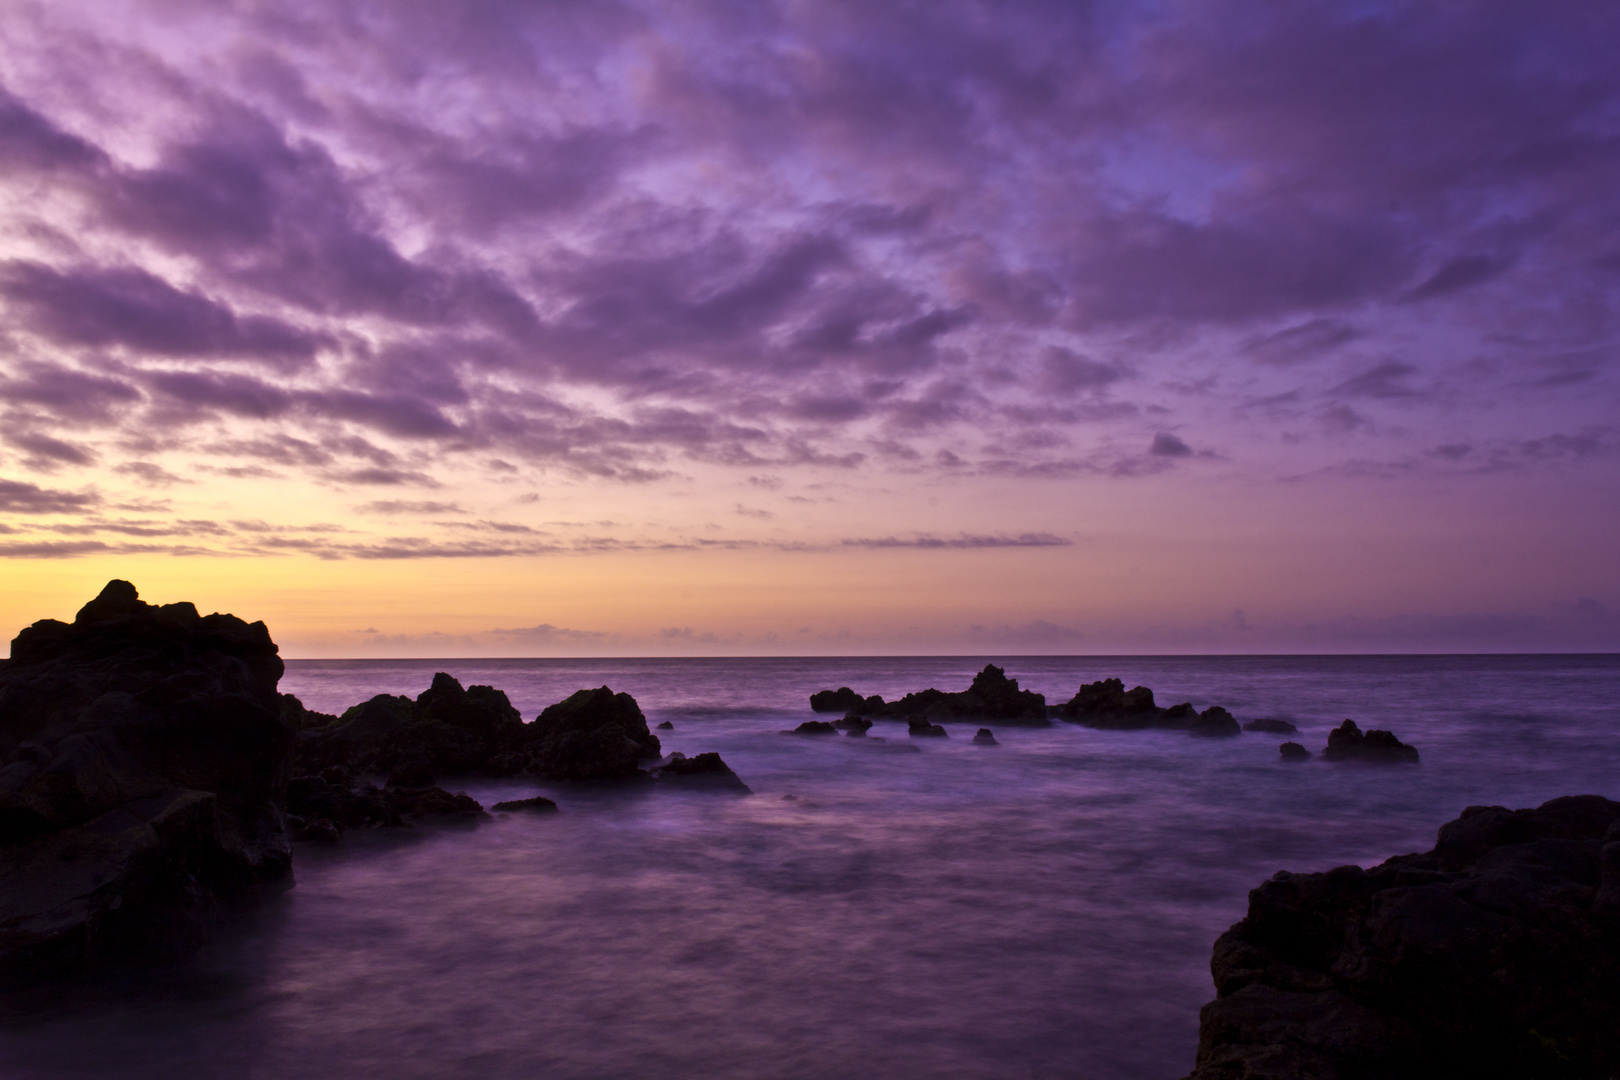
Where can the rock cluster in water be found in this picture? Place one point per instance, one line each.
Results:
(1347, 742)
(1107, 704)
(1496, 954)
(991, 697)
(150, 773)
(143, 780)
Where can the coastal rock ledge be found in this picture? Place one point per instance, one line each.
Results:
(1497, 954)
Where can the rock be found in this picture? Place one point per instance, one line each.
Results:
(922, 729)
(298, 718)
(592, 735)
(143, 773)
(1181, 715)
(991, 696)
(856, 733)
(1270, 726)
(312, 800)
(985, 737)
(666, 726)
(1293, 751)
(1347, 742)
(701, 771)
(538, 803)
(1214, 721)
(853, 724)
(1496, 954)
(412, 773)
(841, 700)
(814, 727)
(1107, 704)
(446, 730)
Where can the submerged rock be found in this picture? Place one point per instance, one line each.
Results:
(538, 803)
(143, 773)
(852, 724)
(1496, 954)
(325, 807)
(1271, 726)
(701, 771)
(984, 737)
(922, 729)
(814, 727)
(666, 726)
(1293, 751)
(1347, 742)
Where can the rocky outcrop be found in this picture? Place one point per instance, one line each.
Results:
(446, 730)
(1496, 954)
(921, 729)
(591, 735)
(143, 773)
(841, 700)
(1271, 726)
(536, 804)
(814, 727)
(666, 726)
(1347, 742)
(984, 737)
(700, 771)
(1293, 751)
(990, 697)
(324, 807)
(1107, 704)
(1214, 721)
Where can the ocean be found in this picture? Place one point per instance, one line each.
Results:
(879, 907)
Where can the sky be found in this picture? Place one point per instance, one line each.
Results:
(811, 327)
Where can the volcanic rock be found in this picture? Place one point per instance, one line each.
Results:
(842, 699)
(1293, 751)
(143, 772)
(1271, 726)
(1496, 954)
(701, 771)
(666, 726)
(1347, 742)
(1214, 721)
(538, 803)
(984, 737)
(814, 727)
(323, 809)
(921, 728)
(853, 724)
(991, 696)
(1107, 704)
(591, 735)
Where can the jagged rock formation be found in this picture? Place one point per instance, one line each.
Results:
(324, 807)
(1496, 954)
(1214, 721)
(921, 729)
(814, 727)
(701, 771)
(1347, 742)
(1107, 704)
(1293, 751)
(143, 773)
(991, 697)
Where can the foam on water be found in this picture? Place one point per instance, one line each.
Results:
(921, 908)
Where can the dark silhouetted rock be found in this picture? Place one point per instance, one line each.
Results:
(298, 718)
(538, 803)
(814, 727)
(852, 723)
(855, 733)
(984, 737)
(1347, 742)
(411, 773)
(143, 773)
(1214, 721)
(315, 802)
(1270, 726)
(922, 729)
(1181, 715)
(1496, 954)
(991, 696)
(701, 771)
(1107, 704)
(666, 726)
(1292, 751)
(448, 730)
(842, 700)
(592, 735)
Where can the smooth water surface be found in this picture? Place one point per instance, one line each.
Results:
(878, 907)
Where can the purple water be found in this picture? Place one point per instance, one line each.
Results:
(924, 908)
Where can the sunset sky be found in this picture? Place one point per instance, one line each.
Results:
(517, 328)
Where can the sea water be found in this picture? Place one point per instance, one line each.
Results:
(878, 907)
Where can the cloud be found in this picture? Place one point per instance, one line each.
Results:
(1168, 445)
(968, 541)
(548, 632)
(398, 506)
(20, 497)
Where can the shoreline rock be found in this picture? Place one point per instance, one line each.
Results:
(1497, 953)
(1347, 742)
(991, 698)
(143, 774)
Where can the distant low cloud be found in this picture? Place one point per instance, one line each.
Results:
(966, 540)
(21, 497)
